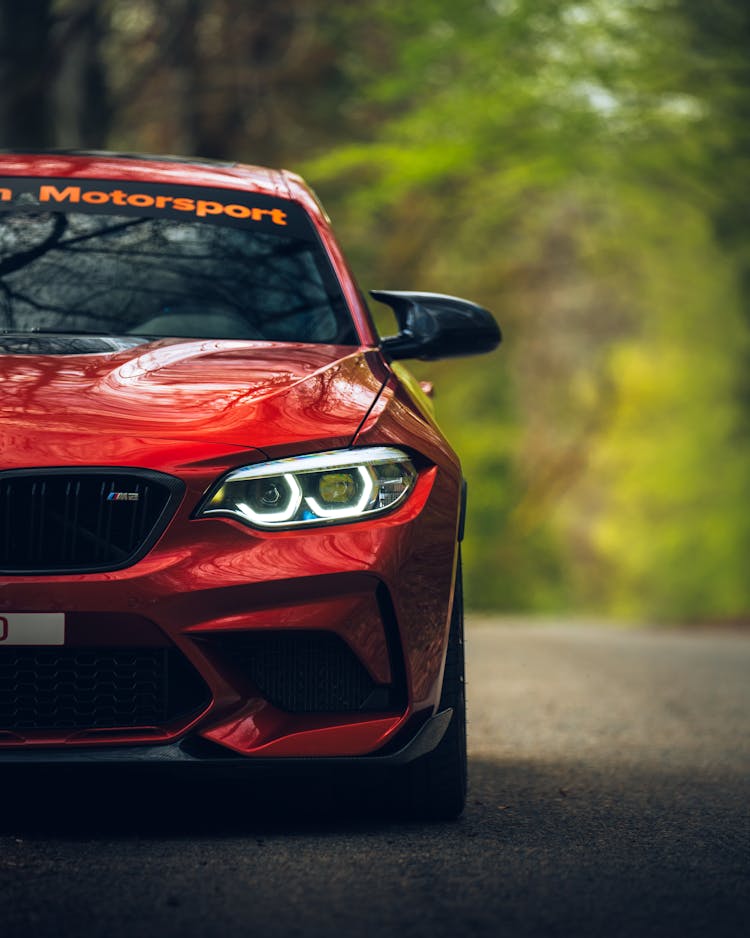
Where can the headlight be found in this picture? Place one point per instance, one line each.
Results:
(325, 488)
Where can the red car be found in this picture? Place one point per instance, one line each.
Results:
(229, 527)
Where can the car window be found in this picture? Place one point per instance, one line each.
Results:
(184, 265)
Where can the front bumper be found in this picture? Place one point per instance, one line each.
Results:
(383, 587)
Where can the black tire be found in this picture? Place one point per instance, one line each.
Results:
(437, 783)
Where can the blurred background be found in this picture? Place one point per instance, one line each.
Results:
(580, 168)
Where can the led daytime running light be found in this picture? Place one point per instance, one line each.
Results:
(382, 478)
(276, 517)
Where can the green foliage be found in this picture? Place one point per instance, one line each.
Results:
(555, 161)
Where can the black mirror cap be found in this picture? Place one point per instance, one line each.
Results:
(434, 326)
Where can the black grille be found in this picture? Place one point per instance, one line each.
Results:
(305, 671)
(58, 521)
(79, 689)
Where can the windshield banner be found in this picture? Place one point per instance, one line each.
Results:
(223, 206)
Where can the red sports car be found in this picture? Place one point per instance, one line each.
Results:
(229, 527)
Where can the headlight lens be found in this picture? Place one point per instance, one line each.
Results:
(325, 488)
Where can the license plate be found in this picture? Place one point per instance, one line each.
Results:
(32, 628)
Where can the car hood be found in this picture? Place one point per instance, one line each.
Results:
(259, 395)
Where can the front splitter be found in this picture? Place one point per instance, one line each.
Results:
(177, 754)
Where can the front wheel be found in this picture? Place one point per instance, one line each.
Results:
(436, 783)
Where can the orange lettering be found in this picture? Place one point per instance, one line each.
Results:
(201, 207)
(47, 193)
(95, 198)
(208, 208)
(238, 211)
(141, 201)
(277, 216)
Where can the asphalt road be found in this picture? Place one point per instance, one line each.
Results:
(610, 781)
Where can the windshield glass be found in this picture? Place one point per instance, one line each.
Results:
(137, 259)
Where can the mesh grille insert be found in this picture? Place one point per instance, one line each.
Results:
(79, 689)
(305, 671)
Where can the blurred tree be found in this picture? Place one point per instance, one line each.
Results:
(53, 76)
(560, 158)
(79, 94)
(226, 78)
(26, 65)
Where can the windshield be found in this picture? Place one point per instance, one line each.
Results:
(136, 259)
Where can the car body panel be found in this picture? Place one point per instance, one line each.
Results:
(196, 409)
(263, 396)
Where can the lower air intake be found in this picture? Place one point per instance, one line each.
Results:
(82, 689)
(305, 671)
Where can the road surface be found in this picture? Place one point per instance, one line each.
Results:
(610, 780)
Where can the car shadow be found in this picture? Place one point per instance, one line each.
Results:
(524, 801)
(149, 802)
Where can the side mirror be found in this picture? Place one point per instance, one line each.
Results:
(435, 326)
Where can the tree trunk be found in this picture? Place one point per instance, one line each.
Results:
(26, 68)
(82, 112)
